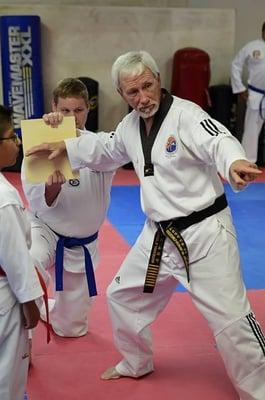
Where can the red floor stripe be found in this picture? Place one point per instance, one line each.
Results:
(124, 177)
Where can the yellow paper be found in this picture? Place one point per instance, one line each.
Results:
(35, 132)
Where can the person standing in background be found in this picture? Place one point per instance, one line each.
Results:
(252, 55)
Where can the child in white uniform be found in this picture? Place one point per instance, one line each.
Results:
(19, 283)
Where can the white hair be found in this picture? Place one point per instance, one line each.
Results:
(132, 63)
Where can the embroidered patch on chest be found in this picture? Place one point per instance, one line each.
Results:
(256, 54)
(171, 145)
(74, 182)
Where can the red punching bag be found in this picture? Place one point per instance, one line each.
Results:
(191, 75)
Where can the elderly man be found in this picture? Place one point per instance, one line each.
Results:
(188, 237)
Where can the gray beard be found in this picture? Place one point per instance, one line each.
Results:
(149, 115)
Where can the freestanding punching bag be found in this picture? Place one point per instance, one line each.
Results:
(92, 118)
(223, 106)
(191, 75)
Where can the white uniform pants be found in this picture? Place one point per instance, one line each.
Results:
(218, 292)
(69, 316)
(252, 127)
(14, 355)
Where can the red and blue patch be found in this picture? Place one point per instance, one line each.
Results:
(171, 145)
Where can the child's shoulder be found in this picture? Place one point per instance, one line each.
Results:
(8, 194)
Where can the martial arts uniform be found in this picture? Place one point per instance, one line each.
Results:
(189, 150)
(20, 285)
(77, 212)
(253, 56)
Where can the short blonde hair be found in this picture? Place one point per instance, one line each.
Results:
(70, 87)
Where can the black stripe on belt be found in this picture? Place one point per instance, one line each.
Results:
(2, 272)
(171, 229)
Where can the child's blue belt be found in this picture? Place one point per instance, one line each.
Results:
(69, 242)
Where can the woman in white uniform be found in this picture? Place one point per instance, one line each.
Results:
(177, 151)
(19, 283)
(252, 55)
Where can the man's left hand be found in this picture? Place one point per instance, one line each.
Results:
(242, 172)
(51, 150)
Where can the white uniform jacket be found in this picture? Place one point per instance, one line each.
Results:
(78, 211)
(253, 56)
(189, 151)
(21, 282)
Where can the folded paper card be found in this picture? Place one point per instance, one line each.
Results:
(38, 167)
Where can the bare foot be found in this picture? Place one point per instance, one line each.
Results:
(110, 373)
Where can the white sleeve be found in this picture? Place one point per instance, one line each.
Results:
(35, 194)
(237, 71)
(212, 142)
(97, 151)
(15, 257)
(106, 136)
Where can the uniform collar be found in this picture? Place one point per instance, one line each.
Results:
(165, 104)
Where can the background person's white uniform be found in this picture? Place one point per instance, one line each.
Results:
(184, 180)
(20, 285)
(252, 55)
(78, 211)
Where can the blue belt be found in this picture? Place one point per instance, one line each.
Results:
(70, 242)
(261, 91)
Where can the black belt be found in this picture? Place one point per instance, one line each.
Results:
(171, 229)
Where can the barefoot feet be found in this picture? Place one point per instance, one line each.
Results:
(110, 373)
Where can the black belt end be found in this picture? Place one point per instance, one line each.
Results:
(148, 289)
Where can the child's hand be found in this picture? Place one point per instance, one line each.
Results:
(31, 314)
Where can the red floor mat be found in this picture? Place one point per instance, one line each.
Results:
(188, 366)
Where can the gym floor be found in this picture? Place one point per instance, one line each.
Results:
(187, 364)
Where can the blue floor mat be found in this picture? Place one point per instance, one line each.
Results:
(249, 218)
